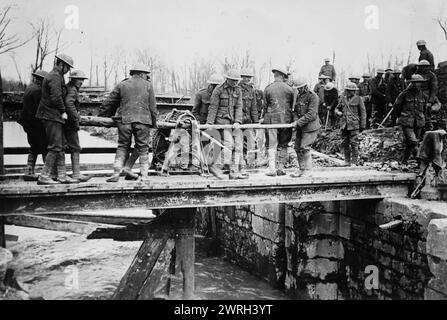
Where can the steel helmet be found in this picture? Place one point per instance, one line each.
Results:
(247, 73)
(351, 86)
(327, 60)
(380, 71)
(366, 76)
(299, 83)
(354, 77)
(329, 86)
(233, 74)
(40, 73)
(139, 67)
(215, 78)
(421, 43)
(396, 71)
(423, 63)
(283, 71)
(322, 76)
(66, 58)
(77, 74)
(417, 78)
(388, 70)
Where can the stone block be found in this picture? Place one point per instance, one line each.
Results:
(324, 224)
(331, 206)
(438, 268)
(437, 238)
(326, 248)
(344, 227)
(267, 229)
(274, 212)
(320, 268)
(323, 291)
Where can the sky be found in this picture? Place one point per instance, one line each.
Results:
(279, 30)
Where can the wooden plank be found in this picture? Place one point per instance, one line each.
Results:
(140, 268)
(158, 283)
(86, 150)
(99, 219)
(55, 224)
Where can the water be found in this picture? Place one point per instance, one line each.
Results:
(14, 136)
(47, 262)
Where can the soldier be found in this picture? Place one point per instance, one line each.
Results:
(202, 98)
(138, 113)
(425, 54)
(278, 104)
(394, 87)
(410, 110)
(33, 127)
(429, 88)
(77, 78)
(249, 115)
(378, 98)
(226, 108)
(319, 90)
(53, 114)
(354, 79)
(352, 113)
(364, 91)
(328, 70)
(330, 102)
(441, 115)
(307, 126)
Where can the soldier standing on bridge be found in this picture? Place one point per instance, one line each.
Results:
(328, 70)
(393, 88)
(378, 98)
(330, 102)
(77, 78)
(425, 54)
(53, 114)
(410, 109)
(135, 99)
(203, 98)
(249, 115)
(33, 127)
(352, 113)
(364, 92)
(226, 108)
(307, 126)
(278, 109)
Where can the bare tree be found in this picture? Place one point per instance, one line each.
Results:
(8, 42)
(443, 25)
(47, 41)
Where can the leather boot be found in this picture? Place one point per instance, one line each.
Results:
(50, 163)
(62, 170)
(30, 175)
(282, 159)
(354, 155)
(347, 156)
(272, 163)
(75, 164)
(215, 171)
(144, 166)
(130, 162)
(117, 166)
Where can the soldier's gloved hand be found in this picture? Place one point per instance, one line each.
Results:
(338, 113)
(328, 108)
(390, 104)
(64, 116)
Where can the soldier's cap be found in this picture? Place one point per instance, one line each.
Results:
(139, 67)
(354, 77)
(417, 78)
(388, 70)
(323, 77)
(329, 86)
(380, 71)
(247, 73)
(327, 60)
(77, 74)
(351, 86)
(442, 64)
(40, 73)
(233, 74)
(365, 75)
(281, 70)
(299, 83)
(423, 63)
(66, 59)
(215, 79)
(421, 43)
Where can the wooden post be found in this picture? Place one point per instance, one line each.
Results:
(2, 232)
(185, 249)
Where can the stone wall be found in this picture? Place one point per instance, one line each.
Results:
(331, 250)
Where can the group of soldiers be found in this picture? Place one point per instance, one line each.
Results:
(50, 116)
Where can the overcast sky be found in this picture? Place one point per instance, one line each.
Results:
(179, 30)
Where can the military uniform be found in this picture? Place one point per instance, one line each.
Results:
(430, 90)
(201, 104)
(249, 115)
(50, 110)
(308, 124)
(319, 90)
(426, 54)
(394, 87)
(331, 101)
(378, 99)
(278, 104)
(364, 92)
(410, 109)
(226, 108)
(328, 70)
(33, 127)
(134, 99)
(353, 119)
